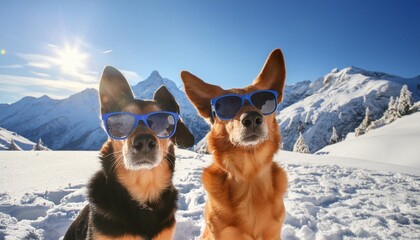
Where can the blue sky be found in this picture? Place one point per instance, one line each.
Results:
(60, 47)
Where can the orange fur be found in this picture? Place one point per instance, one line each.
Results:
(245, 187)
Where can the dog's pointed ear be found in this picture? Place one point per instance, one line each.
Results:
(273, 74)
(114, 91)
(165, 100)
(183, 138)
(200, 93)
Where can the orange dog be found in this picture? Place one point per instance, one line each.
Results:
(245, 187)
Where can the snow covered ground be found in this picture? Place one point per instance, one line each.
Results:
(395, 143)
(328, 197)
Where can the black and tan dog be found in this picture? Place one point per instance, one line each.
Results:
(245, 187)
(132, 196)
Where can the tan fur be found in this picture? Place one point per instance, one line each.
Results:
(145, 184)
(245, 187)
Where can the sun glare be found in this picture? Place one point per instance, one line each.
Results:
(71, 60)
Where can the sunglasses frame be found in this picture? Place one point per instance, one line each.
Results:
(137, 118)
(243, 98)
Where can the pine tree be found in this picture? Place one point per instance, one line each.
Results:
(361, 129)
(40, 146)
(300, 145)
(405, 102)
(14, 146)
(334, 136)
(391, 114)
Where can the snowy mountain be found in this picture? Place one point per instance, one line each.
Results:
(6, 138)
(294, 93)
(195, 123)
(337, 100)
(73, 123)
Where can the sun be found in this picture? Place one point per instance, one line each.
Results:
(71, 60)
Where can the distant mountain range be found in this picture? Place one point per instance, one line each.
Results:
(73, 123)
(337, 99)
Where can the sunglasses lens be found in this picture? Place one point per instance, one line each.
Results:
(227, 107)
(120, 125)
(162, 124)
(266, 102)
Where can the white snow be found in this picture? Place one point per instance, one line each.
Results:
(328, 197)
(396, 143)
(7, 136)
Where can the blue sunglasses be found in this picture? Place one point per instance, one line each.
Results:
(227, 106)
(119, 125)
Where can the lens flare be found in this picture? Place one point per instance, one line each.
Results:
(2, 51)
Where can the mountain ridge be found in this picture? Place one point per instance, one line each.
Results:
(337, 98)
(73, 123)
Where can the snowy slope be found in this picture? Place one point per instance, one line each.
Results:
(73, 123)
(7, 136)
(328, 197)
(339, 100)
(396, 143)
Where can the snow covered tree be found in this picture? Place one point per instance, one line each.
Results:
(404, 102)
(14, 146)
(334, 137)
(300, 145)
(361, 129)
(391, 114)
(40, 146)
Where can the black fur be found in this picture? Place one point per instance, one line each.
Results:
(112, 212)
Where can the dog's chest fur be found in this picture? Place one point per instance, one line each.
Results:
(255, 205)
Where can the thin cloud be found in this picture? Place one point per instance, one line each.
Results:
(131, 76)
(37, 60)
(107, 51)
(40, 74)
(46, 62)
(52, 45)
(48, 84)
(13, 66)
(42, 65)
(30, 57)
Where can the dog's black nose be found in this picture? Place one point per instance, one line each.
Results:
(251, 119)
(144, 142)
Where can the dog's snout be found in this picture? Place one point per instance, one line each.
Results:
(144, 142)
(251, 119)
